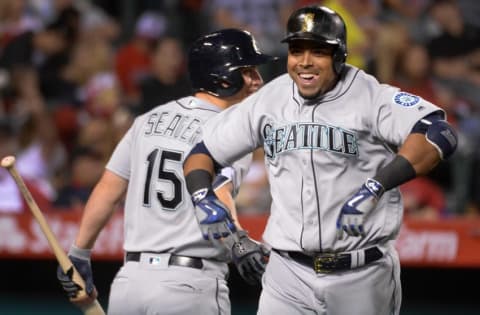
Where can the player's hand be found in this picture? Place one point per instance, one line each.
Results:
(352, 214)
(250, 257)
(71, 288)
(212, 215)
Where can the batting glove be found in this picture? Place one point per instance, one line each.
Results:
(250, 257)
(351, 216)
(80, 259)
(212, 215)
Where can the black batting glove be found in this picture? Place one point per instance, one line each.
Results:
(250, 257)
(80, 259)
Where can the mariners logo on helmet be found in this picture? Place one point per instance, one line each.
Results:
(307, 25)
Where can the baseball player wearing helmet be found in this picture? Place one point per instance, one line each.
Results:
(337, 145)
(171, 266)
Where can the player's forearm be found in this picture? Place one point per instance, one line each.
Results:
(224, 194)
(99, 208)
(198, 162)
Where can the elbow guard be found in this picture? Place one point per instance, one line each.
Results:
(443, 137)
(200, 148)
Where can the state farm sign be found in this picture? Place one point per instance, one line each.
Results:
(427, 245)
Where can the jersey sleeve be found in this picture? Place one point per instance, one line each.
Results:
(119, 162)
(232, 133)
(397, 113)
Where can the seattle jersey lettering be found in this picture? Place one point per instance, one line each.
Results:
(174, 125)
(308, 136)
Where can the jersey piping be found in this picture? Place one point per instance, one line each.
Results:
(311, 159)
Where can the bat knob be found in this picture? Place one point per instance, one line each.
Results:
(8, 161)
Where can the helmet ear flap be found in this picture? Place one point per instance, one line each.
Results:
(227, 84)
(339, 57)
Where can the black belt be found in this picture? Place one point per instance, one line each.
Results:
(174, 260)
(328, 262)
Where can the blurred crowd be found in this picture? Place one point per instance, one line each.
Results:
(75, 73)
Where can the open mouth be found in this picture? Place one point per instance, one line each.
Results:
(307, 78)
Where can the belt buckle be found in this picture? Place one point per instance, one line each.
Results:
(324, 263)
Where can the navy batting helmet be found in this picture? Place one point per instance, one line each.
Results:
(214, 61)
(320, 24)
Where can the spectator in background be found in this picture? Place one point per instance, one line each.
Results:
(94, 144)
(68, 21)
(10, 199)
(121, 120)
(15, 20)
(470, 11)
(423, 199)
(88, 87)
(392, 39)
(455, 54)
(133, 59)
(359, 17)
(40, 153)
(32, 140)
(413, 72)
(410, 14)
(46, 50)
(265, 19)
(96, 23)
(98, 136)
(191, 21)
(167, 80)
(455, 51)
(86, 167)
(463, 168)
(102, 95)
(32, 48)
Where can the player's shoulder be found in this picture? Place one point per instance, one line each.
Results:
(184, 104)
(352, 75)
(158, 110)
(280, 83)
(359, 80)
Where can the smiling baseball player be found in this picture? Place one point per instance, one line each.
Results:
(337, 145)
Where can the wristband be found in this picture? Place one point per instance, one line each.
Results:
(397, 172)
(198, 179)
(81, 253)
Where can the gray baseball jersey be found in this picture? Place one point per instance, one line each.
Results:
(318, 153)
(159, 214)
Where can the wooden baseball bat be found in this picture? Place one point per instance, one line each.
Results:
(94, 308)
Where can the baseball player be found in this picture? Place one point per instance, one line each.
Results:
(170, 265)
(337, 146)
